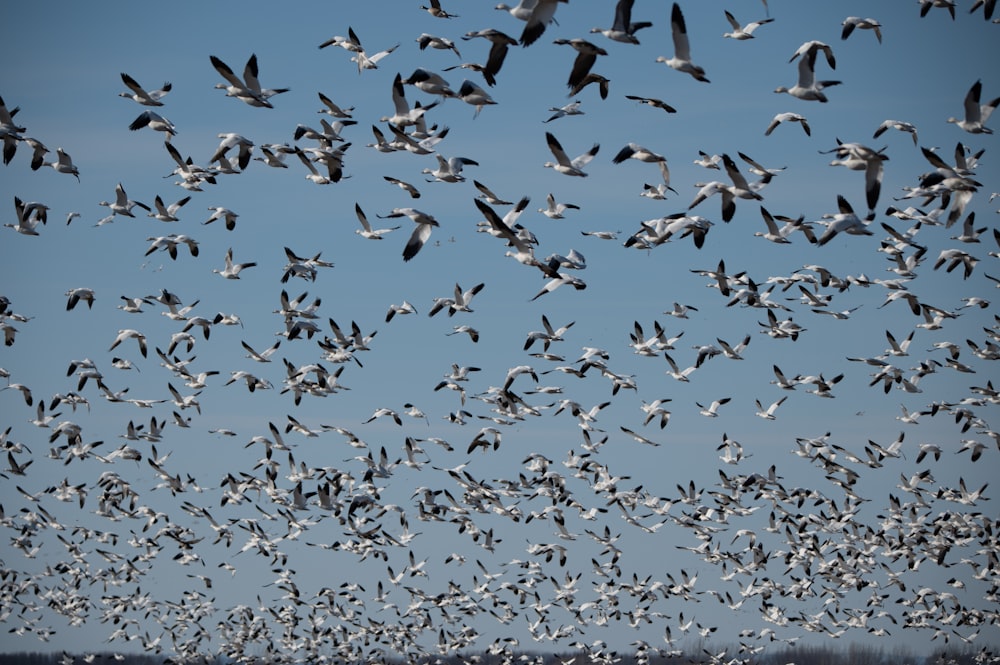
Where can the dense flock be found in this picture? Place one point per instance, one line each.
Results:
(464, 396)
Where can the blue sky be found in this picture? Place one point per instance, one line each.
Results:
(66, 82)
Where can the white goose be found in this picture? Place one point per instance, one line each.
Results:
(167, 213)
(623, 29)
(425, 224)
(555, 210)
(248, 88)
(681, 61)
(563, 163)
(743, 32)
(366, 230)
(976, 114)
(844, 222)
(232, 270)
(807, 87)
(140, 95)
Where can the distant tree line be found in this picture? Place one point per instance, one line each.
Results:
(853, 654)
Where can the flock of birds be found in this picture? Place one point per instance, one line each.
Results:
(836, 554)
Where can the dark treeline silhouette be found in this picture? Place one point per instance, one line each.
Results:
(853, 654)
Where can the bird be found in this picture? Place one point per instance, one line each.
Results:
(555, 210)
(976, 114)
(500, 43)
(623, 28)
(436, 11)
(225, 214)
(154, 121)
(740, 188)
(586, 56)
(403, 115)
(232, 270)
(166, 213)
(573, 108)
(768, 413)
(440, 43)
(424, 225)
(472, 94)
(712, 410)
(788, 117)
(652, 101)
(897, 124)
(140, 95)
(247, 89)
(807, 87)
(122, 205)
(844, 221)
(851, 22)
(681, 60)
(564, 164)
(405, 186)
(743, 32)
(78, 294)
(450, 169)
(537, 15)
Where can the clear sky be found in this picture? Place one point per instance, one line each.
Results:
(843, 536)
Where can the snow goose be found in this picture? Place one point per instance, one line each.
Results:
(681, 61)
(332, 109)
(404, 308)
(403, 115)
(122, 204)
(430, 82)
(807, 87)
(440, 43)
(232, 270)
(366, 230)
(603, 85)
(858, 157)
(500, 43)
(424, 225)
(460, 301)
(768, 413)
(78, 294)
(248, 88)
(564, 164)
(366, 61)
(896, 124)
(62, 164)
(129, 333)
(28, 217)
(349, 43)
(623, 29)
(436, 11)
(739, 189)
(487, 195)
(449, 170)
(788, 117)
(852, 22)
(556, 210)
(976, 114)
(140, 95)
(844, 222)
(542, 12)
(573, 108)
(154, 121)
(166, 213)
(405, 186)
(225, 214)
(712, 411)
(472, 94)
(652, 101)
(586, 56)
(927, 5)
(743, 32)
